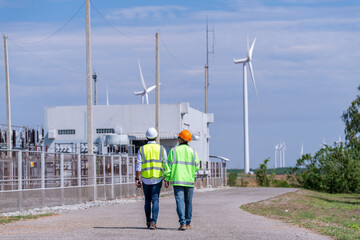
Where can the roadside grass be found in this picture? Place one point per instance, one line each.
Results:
(336, 215)
(4, 220)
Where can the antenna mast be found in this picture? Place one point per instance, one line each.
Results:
(207, 62)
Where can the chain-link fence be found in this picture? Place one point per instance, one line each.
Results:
(40, 179)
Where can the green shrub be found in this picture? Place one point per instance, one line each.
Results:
(232, 179)
(261, 175)
(332, 169)
(280, 183)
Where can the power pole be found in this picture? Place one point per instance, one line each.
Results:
(157, 107)
(7, 88)
(95, 89)
(89, 82)
(89, 113)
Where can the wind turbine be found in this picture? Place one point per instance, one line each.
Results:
(276, 148)
(283, 151)
(302, 150)
(280, 154)
(246, 61)
(107, 95)
(145, 91)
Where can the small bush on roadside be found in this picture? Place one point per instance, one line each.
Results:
(232, 179)
(280, 183)
(261, 175)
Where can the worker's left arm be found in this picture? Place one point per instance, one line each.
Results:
(197, 162)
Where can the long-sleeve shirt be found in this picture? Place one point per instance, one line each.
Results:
(148, 181)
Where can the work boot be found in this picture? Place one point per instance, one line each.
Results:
(189, 226)
(153, 226)
(182, 227)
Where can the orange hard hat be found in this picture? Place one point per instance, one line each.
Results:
(186, 135)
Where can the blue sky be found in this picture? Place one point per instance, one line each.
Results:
(306, 64)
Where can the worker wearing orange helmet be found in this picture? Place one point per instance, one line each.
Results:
(179, 171)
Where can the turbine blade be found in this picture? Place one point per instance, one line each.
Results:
(107, 95)
(142, 99)
(242, 60)
(142, 77)
(150, 88)
(147, 98)
(253, 79)
(247, 41)
(139, 93)
(251, 49)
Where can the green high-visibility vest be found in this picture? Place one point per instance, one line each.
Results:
(181, 166)
(152, 160)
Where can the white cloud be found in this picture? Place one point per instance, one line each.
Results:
(144, 12)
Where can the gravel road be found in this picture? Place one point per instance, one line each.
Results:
(216, 215)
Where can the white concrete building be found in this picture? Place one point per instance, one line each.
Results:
(121, 128)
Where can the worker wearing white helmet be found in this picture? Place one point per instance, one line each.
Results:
(149, 165)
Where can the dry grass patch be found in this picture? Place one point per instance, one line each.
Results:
(4, 220)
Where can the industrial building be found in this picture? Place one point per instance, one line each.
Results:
(121, 128)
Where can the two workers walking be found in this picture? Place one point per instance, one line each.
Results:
(177, 169)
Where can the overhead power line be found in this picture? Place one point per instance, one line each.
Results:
(61, 28)
(108, 23)
(44, 61)
(172, 55)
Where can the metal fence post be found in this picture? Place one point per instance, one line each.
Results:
(43, 167)
(222, 174)
(62, 178)
(127, 175)
(79, 175)
(112, 178)
(95, 177)
(133, 168)
(20, 180)
(225, 174)
(120, 175)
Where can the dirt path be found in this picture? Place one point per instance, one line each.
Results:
(216, 215)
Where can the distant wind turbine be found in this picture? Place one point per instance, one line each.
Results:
(283, 151)
(302, 150)
(276, 148)
(107, 95)
(246, 61)
(145, 91)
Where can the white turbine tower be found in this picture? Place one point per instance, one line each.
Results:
(283, 151)
(302, 150)
(276, 148)
(145, 91)
(245, 61)
(280, 155)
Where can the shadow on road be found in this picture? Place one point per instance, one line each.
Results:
(137, 228)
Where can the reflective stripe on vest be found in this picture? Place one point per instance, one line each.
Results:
(154, 167)
(183, 183)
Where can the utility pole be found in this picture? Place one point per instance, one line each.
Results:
(89, 82)
(95, 89)
(7, 89)
(89, 112)
(157, 107)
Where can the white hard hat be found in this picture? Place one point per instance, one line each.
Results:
(151, 133)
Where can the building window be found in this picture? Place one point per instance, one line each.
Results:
(66, 132)
(105, 130)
